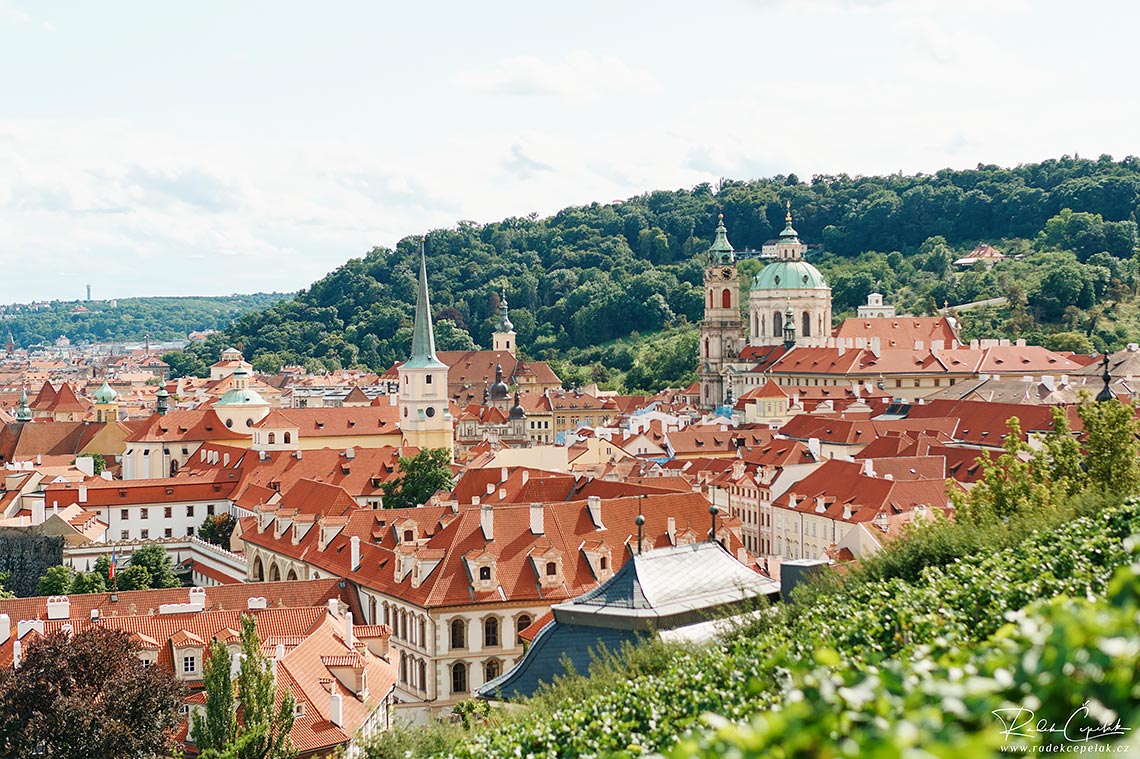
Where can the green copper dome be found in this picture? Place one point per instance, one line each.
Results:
(788, 275)
(105, 394)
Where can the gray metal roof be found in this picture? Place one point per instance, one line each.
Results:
(668, 587)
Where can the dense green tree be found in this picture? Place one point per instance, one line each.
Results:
(4, 592)
(217, 728)
(262, 732)
(186, 364)
(57, 581)
(217, 529)
(88, 582)
(87, 695)
(156, 561)
(420, 477)
(1112, 442)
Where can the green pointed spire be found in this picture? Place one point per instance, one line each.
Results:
(423, 336)
(721, 251)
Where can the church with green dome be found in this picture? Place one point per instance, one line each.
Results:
(789, 304)
(789, 284)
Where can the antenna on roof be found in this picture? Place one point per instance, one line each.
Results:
(639, 520)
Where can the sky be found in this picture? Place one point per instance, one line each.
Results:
(210, 148)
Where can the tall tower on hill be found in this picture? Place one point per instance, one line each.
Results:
(722, 329)
(425, 417)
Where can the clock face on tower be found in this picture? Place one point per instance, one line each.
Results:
(726, 273)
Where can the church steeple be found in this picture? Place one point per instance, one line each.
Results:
(425, 416)
(721, 251)
(503, 338)
(423, 335)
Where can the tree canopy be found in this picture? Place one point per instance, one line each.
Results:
(420, 476)
(589, 275)
(87, 696)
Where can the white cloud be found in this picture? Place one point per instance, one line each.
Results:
(582, 75)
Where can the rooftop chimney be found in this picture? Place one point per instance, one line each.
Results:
(58, 607)
(537, 525)
(355, 543)
(5, 628)
(594, 504)
(671, 529)
(349, 640)
(17, 654)
(336, 707)
(83, 494)
(487, 521)
(334, 606)
(350, 453)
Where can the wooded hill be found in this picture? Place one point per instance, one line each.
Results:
(589, 276)
(129, 319)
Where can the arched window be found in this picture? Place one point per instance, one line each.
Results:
(272, 438)
(287, 437)
(458, 633)
(259, 569)
(292, 574)
(805, 321)
(710, 299)
(409, 536)
(777, 324)
(484, 573)
(421, 681)
(459, 677)
(491, 631)
(491, 670)
(726, 298)
(275, 573)
(524, 621)
(551, 569)
(603, 562)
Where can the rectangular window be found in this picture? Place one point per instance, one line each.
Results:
(124, 514)
(124, 535)
(189, 532)
(168, 532)
(144, 534)
(209, 509)
(428, 379)
(167, 512)
(190, 511)
(144, 513)
(189, 665)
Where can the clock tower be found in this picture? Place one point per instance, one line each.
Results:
(722, 329)
(425, 416)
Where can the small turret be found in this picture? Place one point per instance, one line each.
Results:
(23, 412)
(162, 402)
(504, 338)
(721, 251)
(499, 391)
(789, 327)
(517, 411)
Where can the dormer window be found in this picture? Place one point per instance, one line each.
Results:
(485, 574)
(409, 536)
(551, 568)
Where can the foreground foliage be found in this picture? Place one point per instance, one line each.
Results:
(874, 623)
(87, 696)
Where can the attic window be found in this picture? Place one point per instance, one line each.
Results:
(170, 491)
(320, 425)
(551, 569)
(484, 573)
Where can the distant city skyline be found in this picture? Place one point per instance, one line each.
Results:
(216, 148)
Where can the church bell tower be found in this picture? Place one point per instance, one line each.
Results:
(425, 416)
(722, 329)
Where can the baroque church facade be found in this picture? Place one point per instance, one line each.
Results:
(789, 303)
